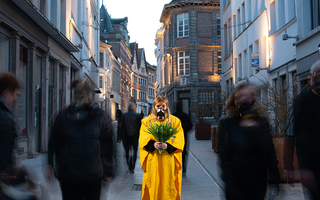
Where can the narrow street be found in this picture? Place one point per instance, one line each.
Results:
(201, 181)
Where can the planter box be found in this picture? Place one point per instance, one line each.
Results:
(287, 158)
(202, 131)
(214, 138)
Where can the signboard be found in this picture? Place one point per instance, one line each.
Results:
(254, 60)
(183, 81)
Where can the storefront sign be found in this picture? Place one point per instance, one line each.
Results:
(255, 60)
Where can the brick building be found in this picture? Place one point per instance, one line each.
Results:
(189, 53)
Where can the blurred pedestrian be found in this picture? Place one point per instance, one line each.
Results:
(161, 172)
(186, 126)
(83, 145)
(9, 86)
(118, 114)
(246, 150)
(129, 135)
(306, 130)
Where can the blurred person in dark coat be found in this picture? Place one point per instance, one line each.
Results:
(9, 86)
(186, 126)
(83, 145)
(246, 150)
(307, 133)
(129, 135)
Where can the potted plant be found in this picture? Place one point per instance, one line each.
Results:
(216, 107)
(278, 108)
(202, 128)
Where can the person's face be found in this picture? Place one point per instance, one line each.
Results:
(161, 104)
(315, 76)
(245, 94)
(10, 97)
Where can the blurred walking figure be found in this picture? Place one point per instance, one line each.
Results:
(306, 130)
(161, 172)
(83, 145)
(14, 181)
(246, 150)
(129, 135)
(9, 86)
(186, 126)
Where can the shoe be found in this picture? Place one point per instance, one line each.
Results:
(131, 171)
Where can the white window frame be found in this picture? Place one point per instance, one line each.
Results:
(183, 25)
(183, 61)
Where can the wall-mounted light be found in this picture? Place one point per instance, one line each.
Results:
(90, 59)
(286, 37)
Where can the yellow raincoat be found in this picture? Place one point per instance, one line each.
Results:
(162, 173)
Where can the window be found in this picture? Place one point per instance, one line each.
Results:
(4, 55)
(218, 24)
(183, 63)
(273, 17)
(151, 92)
(152, 78)
(100, 82)
(101, 60)
(205, 99)
(219, 61)
(135, 79)
(134, 93)
(183, 25)
(142, 95)
(149, 78)
(61, 86)
(315, 15)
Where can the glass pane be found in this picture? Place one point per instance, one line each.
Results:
(186, 33)
(180, 28)
(186, 15)
(180, 22)
(187, 53)
(186, 22)
(181, 60)
(180, 54)
(22, 105)
(60, 78)
(181, 72)
(187, 72)
(4, 53)
(187, 66)
(186, 27)
(187, 60)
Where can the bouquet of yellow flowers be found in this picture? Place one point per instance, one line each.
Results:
(162, 132)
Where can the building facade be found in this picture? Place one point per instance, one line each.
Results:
(307, 48)
(255, 44)
(188, 49)
(47, 44)
(152, 84)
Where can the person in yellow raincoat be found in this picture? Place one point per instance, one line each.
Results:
(162, 174)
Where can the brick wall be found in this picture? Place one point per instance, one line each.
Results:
(205, 66)
(204, 25)
(182, 42)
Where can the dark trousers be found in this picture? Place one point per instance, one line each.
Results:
(312, 164)
(130, 144)
(185, 154)
(247, 192)
(75, 192)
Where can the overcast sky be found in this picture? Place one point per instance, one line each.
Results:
(143, 21)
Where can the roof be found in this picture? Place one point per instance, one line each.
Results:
(106, 25)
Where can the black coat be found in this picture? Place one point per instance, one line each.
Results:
(246, 155)
(84, 145)
(307, 124)
(129, 125)
(7, 137)
(185, 121)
